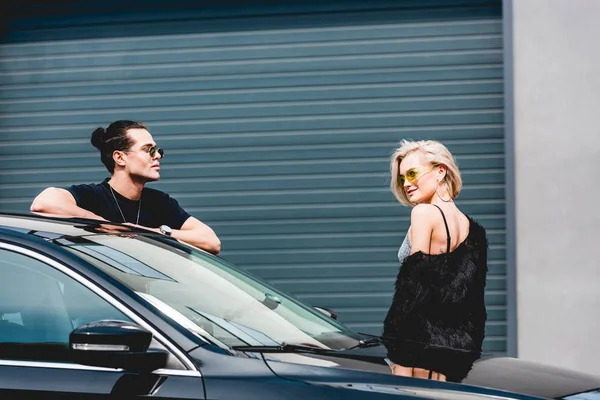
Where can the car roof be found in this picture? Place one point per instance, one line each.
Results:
(38, 229)
(30, 223)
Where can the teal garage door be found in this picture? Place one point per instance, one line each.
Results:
(278, 120)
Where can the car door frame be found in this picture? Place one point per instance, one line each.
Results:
(49, 374)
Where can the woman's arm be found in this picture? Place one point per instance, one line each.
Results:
(422, 221)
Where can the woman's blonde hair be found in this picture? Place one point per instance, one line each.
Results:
(434, 152)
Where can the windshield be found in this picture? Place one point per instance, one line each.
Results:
(221, 300)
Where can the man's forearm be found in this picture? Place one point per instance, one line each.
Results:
(55, 202)
(65, 210)
(205, 239)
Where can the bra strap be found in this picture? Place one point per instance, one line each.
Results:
(447, 230)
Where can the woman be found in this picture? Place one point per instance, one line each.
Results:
(435, 326)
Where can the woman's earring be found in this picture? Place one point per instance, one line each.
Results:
(438, 195)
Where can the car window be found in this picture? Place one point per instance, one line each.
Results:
(222, 300)
(40, 306)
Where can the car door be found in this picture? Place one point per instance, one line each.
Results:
(41, 302)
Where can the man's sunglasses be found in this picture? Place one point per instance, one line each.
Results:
(412, 175)
(153, 150)
(150, 150)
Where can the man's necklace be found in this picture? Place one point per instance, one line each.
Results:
(117, 203)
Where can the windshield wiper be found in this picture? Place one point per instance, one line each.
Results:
(364, 343)
(282, 348)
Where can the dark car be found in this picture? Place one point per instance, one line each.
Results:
(96, 310)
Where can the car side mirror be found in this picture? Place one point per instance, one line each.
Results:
(327, 312)
(115, 344)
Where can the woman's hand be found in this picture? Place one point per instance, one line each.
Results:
(401, 371)
(417, 373)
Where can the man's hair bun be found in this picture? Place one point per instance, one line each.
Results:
(99, 138)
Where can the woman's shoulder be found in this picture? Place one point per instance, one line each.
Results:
(424, 213)
(423, 209)
(423, 219)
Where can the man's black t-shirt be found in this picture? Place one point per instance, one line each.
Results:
(157, 208)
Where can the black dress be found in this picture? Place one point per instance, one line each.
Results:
(437, 317)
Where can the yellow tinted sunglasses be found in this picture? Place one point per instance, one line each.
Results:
(412, 175)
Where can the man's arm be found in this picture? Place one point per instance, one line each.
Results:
(193, 232)
(60, 202)
(198, 234)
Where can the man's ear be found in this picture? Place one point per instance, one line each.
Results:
(119, 158)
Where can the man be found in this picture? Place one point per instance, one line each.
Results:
(131, 156)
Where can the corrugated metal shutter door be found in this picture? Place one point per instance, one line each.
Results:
(277, 128)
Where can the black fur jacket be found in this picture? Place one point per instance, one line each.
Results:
(437, 317)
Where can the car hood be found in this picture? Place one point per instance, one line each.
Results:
(502, 374)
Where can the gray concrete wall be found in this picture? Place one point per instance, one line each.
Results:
(556, 68)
